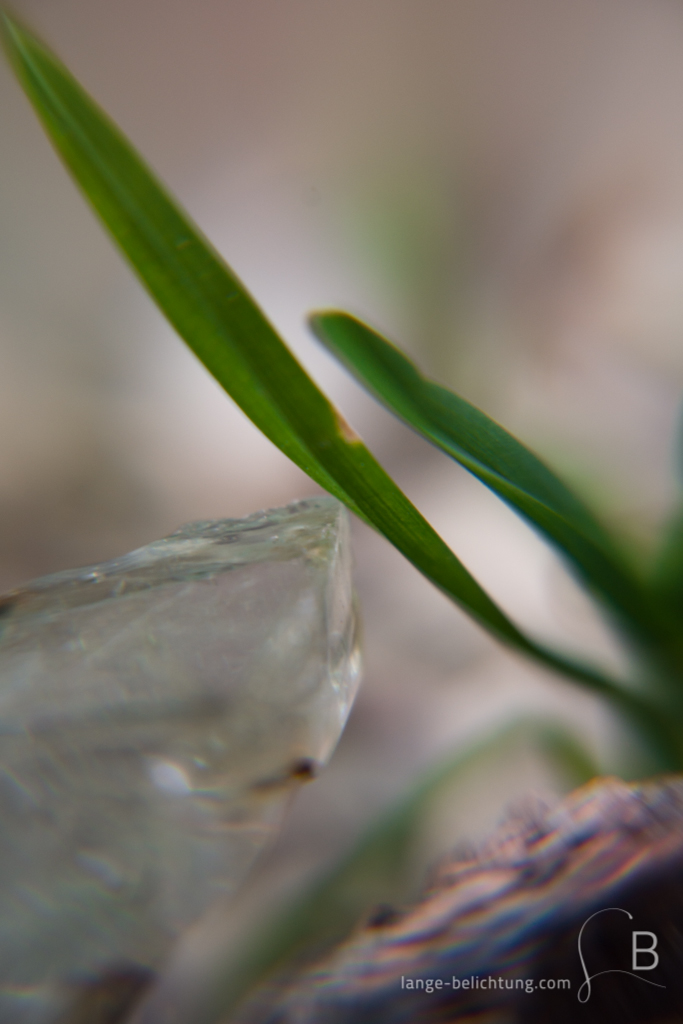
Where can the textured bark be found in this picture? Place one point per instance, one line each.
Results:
(513, 912)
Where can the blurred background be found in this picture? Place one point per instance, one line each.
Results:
(499, 188)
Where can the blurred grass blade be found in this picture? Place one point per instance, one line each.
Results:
(493, 455)
(221, 323)
(568, 757)
(667, 576)
(380, 869)
(667, 568)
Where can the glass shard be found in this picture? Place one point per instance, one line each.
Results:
(155, 712)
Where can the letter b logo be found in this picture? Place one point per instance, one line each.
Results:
(644, 950)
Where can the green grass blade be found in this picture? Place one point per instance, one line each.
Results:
(668, 568)
(493, 455)
(568, 757)
(200, 296)
(221, 323)
(379, 869)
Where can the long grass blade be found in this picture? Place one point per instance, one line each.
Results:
(501, 462)
(221, 323)
(215, 315)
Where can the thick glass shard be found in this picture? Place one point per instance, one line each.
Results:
(155, 711)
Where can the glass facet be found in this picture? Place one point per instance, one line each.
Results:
(155, 712)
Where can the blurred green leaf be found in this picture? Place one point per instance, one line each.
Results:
(379, 871)
(212, 311)
(668, 567)
(573, 764)
(493, 455)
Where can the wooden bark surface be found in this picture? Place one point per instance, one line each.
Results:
(513, 912)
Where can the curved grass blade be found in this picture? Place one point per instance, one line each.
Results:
(501, 462)
(221, 323)
(379, 870)
(215, 315)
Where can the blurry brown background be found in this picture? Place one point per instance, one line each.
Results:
(497, 185)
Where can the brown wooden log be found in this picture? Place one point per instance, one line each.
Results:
(513, 912)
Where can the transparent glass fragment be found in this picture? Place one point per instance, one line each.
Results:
(155, 711)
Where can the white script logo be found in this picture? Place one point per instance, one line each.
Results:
(643, 956)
